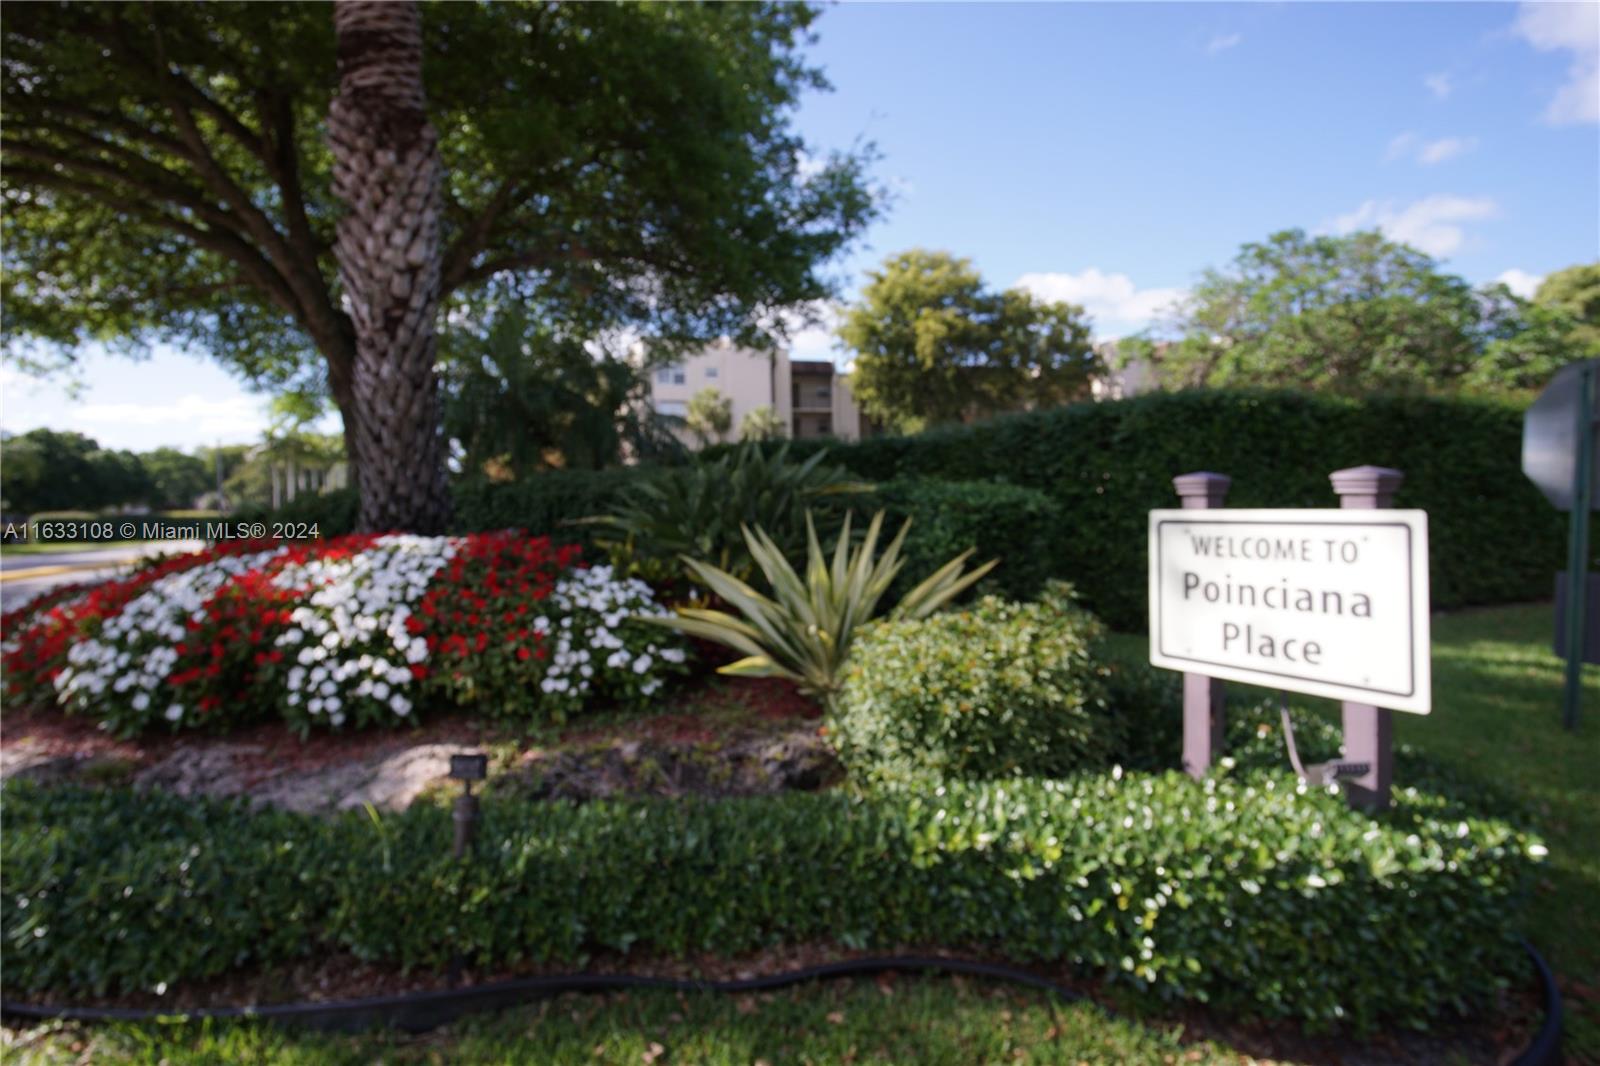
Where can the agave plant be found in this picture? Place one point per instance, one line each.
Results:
(803, 631)
(700, 510)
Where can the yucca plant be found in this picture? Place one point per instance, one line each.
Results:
(804, 630)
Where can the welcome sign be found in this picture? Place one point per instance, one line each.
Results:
(1326, 602)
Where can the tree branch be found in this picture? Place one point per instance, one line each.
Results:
(458, 258)
(228, 245)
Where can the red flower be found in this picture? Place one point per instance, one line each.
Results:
(523, 654)
(418, 671)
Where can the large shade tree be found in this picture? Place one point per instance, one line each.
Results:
(933, 344)
(1353, 314)
(169, 177)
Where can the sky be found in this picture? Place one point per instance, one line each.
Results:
(1106, 154)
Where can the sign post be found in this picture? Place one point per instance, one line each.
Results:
(1558, 455)
(1368, 729)
(1578, 546)
(1331, 603)
(1204, 698)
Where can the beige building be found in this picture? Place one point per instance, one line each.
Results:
(811, 397)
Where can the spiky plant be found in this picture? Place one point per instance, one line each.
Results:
(804, 630)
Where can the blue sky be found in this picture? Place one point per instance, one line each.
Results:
(1107, 153)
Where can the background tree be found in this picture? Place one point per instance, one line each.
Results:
(933, 345)
(47, 470)
(762, 423)
(177, 479)
(1576, 292)
(520, 397)
(607, 165)
(1355, 314)
(710, 415)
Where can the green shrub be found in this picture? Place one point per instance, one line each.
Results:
(1005, 522)
(548, 503)
(1492, 537)
(997, 690)
(700, 511)
(331, 513)
(1246, 891)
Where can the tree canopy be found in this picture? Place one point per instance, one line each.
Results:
(49, 470)
(608, 166)
(1354, 314)
(1575, 292)
(932, 344)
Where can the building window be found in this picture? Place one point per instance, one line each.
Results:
(711, 372)
(824, 426)
(824, 393)
(670, 375)
(672, 407)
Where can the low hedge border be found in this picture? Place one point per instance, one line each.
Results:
(1246, 891)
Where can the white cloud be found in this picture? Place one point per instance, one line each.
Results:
(1439, 85)
(814, 340)
(1222, 42)
(1115, 305)
(1445, 148)
(1520, 282)
(1401, 145)
(229, 415)
(1431, 225)
(1409, 146)
(1575, 28)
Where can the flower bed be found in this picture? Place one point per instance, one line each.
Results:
(358, 630)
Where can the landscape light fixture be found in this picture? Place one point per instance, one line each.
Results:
(466, 769)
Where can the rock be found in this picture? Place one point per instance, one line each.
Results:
(747, 767)
(25, 764)
(388, 782)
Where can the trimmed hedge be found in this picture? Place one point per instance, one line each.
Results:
(1493, 537)
(996, 690)
(1008, 522)
(1246, 891)
(541, 504)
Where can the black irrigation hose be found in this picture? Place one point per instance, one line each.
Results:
(421, 1011)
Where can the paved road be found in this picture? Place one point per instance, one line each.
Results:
(73, 566)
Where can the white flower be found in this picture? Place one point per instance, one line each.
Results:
(174, 712)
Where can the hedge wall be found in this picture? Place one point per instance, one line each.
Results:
(1493, 537)
(541, 504)
(1006, 522)
(1246, 891)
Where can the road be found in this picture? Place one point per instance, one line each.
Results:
(23, 577)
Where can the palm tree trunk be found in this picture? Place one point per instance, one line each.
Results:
(387, 171)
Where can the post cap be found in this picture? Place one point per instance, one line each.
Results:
(1366, 481)
(1202, 485)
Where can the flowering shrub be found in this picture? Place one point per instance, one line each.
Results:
(520, 632)
(357, 630)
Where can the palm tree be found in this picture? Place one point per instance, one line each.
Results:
(387, 172)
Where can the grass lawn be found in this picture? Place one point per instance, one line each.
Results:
(1497, 716)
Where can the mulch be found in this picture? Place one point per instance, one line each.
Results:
(721, 706)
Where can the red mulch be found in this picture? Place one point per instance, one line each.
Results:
(721, 705)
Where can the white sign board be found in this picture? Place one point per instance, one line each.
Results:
(1327, 602)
